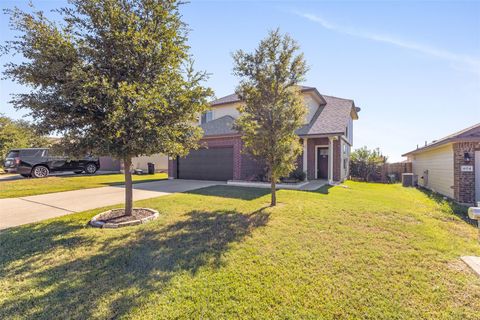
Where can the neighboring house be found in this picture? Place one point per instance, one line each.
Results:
(451, 165)
(107, 163)
(159, 160)
(327, 138)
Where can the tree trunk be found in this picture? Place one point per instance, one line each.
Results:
(273, 202)
(128, 186)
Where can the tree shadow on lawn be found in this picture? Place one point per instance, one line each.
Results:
(233, 192)
(131, 270)
(458, 209)
(26, 242)
(325, 189)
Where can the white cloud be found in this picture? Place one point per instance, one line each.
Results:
(472, 63)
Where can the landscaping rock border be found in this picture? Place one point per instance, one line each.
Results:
(97, 222)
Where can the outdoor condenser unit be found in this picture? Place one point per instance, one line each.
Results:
(409, 180)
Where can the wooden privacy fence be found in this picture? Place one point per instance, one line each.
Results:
(394, 170)
(386, 172)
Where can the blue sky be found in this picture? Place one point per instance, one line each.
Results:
(413, 67)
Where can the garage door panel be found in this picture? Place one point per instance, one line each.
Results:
(207, 164)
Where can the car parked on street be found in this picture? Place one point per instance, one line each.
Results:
(38, 163)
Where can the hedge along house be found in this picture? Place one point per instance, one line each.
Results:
(327, 138)
(451, 165)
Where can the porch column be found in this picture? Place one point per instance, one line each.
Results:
(330, 160)
(305, 162)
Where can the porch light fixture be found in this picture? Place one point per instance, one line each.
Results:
(466, 157)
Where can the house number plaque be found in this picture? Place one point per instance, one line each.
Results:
(466, 168)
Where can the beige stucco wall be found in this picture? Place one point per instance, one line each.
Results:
(345, 154)
(160, 161)
(232, 108)
(226, 109)
(312, 106)
(439, 163)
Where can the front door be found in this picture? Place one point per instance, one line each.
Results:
(322, 163)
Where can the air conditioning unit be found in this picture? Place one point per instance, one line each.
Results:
(409, 180)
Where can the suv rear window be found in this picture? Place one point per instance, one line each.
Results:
(30, 153)
(12, 154)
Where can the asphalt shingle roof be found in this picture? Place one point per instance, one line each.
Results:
(331, 117)
(231, 98)
(220, 126)
(470, 133)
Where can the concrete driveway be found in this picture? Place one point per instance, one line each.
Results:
(18, 211)
(10, 177)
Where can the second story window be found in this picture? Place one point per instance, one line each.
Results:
(207, 116)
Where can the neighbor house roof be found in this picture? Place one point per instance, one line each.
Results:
(232, 98)
(469, 134)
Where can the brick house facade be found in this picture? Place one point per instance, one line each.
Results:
(246, 168)
(329, 126)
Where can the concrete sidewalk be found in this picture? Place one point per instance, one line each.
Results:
(18, 211)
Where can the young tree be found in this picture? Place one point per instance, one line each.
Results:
(365, 162)
(113, 77)
(273, 106)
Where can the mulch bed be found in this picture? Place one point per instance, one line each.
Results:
(118, 215)
(116, 218)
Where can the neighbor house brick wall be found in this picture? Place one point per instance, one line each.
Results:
(464, 182)
(311, 143)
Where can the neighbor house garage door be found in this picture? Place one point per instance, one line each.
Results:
(207, 164)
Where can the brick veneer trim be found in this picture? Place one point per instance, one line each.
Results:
(464, 182)
(239, 162)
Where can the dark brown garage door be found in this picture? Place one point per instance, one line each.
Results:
(207, 164)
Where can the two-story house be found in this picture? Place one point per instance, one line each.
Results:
(327, 138)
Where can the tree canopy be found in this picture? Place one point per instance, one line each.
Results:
(113, 77)
(18, 134)
(273, 106)
(365, 162)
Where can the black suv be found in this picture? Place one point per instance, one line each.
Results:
(38, 163)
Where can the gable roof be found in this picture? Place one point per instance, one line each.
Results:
(232, 98)
(219, 127)
(330, 118)
(468, 134)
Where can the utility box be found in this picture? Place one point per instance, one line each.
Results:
(151, 168)
(409, 180)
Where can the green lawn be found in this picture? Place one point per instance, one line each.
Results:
(368, 251)
(30, 187)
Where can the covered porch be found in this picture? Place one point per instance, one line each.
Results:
(324, 159)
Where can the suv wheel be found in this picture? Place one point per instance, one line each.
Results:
(40, 172)
(91, 168)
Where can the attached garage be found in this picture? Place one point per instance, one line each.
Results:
(207, 164)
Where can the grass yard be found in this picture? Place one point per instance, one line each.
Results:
(30, 187)
(369, 251)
